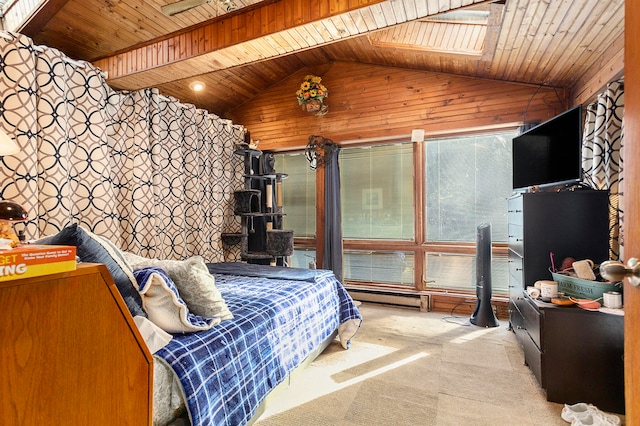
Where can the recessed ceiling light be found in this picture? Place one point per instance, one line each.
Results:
(197, 86)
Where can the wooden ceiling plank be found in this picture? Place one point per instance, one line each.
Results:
(341, 28)
(399, 12)
(295, 42)
(567, 29)
(349, 24)
(335, 33)
(511, 25)
(410, 9)
(304, 34)
(315, 34)
(493, 31)
(359, 21)
(422, 32)
(387, 10)
(581, 54)
(531, 19)
(546, 28)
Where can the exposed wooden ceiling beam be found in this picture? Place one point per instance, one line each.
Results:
(262, 32)
(204, 43)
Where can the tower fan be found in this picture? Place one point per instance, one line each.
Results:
(483, 315)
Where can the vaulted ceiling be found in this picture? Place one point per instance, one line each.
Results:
(238, 48)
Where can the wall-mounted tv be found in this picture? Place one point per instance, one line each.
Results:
(549, 154)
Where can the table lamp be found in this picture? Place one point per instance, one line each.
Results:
(10, 212)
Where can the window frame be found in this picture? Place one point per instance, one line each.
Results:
(419, 246)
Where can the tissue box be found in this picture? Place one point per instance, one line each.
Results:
(583, 289)
(35, 260)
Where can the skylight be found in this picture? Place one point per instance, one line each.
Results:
(15, 12)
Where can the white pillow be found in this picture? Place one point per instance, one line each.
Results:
(163, 305)
(196, 285)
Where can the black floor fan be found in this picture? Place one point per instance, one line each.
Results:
(483, 315)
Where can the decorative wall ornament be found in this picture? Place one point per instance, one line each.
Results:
(319, 150)
(312, 94)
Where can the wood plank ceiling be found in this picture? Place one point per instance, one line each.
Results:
(240, 50)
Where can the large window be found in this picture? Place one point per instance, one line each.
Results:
(377, 192)
(466, 181)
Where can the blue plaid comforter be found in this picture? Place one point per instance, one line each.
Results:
(227, 371)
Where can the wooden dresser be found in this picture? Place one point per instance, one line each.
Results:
(70, 353)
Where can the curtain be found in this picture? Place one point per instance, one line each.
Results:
(602, 156)
(332, 257)
(153, 175)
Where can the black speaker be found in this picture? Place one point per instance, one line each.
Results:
(483, 315)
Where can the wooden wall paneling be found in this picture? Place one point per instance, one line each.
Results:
(368, 101)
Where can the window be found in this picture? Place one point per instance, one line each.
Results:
(380, 267)
(298, 193)
(377, 192)
(467, 182)
(458, 272)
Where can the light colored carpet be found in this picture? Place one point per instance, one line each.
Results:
(407, 367)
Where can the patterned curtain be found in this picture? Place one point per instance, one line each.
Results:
(602, 154)
(151, 174)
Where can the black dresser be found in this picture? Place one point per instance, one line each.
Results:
(576, 355)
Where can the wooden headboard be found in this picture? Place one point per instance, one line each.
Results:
(70, 352)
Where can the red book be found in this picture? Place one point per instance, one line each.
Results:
(35, 260)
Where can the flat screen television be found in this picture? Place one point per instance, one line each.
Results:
(549, 154)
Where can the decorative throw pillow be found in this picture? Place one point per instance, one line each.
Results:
(196, 285)
(94, 249)
(164, 306)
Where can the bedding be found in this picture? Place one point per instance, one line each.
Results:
(227, 371)
(267, 321)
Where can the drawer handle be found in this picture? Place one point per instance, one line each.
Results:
(519, 327)
(518, 269)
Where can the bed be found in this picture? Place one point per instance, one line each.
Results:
(273, 320)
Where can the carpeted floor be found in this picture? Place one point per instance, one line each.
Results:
(407, 367)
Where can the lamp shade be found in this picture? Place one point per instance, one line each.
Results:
(7, 145)
(12, 212)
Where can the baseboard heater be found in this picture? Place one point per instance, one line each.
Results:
(390, 297)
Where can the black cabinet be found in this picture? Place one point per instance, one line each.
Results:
(259, 206)
(575, 355)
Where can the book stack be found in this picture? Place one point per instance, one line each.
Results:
(34, 260)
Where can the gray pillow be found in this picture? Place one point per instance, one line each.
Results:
(195, 284)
